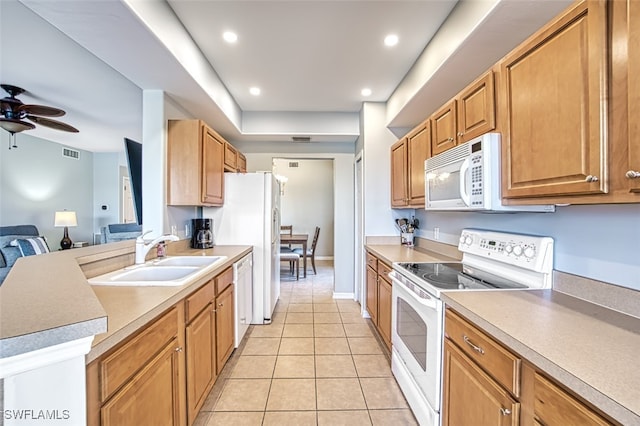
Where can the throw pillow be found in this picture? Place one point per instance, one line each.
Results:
(31, 246)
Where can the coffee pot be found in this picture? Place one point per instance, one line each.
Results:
(202, 236)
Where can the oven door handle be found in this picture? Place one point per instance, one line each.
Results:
(422, 298)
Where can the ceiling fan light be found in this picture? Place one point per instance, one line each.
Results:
(12, 125)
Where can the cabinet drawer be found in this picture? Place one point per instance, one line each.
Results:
(224, 280)
(384, 270)
(199, 299)
(372, 261)
(121, 365)
(498, 362)
(554, 406)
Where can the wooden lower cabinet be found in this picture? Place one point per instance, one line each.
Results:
(471, 397)
(378, 296)
(151, 397)
(224, 326)
(163, 374)
(201, 360)
(485, 383)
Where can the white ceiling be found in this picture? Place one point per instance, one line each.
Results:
(310, 58)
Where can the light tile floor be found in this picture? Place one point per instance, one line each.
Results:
(318, 363)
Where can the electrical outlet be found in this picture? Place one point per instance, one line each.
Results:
(436, 233)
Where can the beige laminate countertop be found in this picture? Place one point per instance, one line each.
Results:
(130, 308)
(399, 253)
(592, 350)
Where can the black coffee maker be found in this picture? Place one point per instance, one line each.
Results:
(201, 235)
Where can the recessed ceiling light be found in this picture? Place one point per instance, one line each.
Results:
(391, 40)
(230, 37)
(255, 91)
(366, 92)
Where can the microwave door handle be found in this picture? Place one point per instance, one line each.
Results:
(464, 171)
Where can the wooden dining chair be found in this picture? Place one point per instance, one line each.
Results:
(294, 262)
(311, 252)
(287, 230)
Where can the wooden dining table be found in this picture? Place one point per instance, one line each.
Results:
(296, 239)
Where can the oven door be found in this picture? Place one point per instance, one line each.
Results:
(417, 333)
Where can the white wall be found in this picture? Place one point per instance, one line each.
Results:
(601, 242)
(36, 181)
(307, 199)
(343, 204)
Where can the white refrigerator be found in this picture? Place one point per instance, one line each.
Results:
(251, 216)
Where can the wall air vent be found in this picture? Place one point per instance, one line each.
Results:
(71, 153)
(293, 164)
(301, 139)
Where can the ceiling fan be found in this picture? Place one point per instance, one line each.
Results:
(13, 112)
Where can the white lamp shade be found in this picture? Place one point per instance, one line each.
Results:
(65, 218)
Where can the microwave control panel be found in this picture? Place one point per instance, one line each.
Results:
(476, 176)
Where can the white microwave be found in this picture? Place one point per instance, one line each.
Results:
(467, 178)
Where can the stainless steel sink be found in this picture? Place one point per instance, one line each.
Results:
(188, 260)
(171, 271)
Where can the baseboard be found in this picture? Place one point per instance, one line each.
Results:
(344, 296)
(324, 258)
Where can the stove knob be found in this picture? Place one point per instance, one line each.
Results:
(461, 239)
(468, 240)
(508, 248)
(529, 252)
(517, 250)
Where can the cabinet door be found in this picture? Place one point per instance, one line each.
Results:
(242, 163)
(151, 397)
(372, 294)
(443, 128)
(418, 149)
(384, 310)
(633, 65)
(399, 174)
(555, 132)
(230, 158)
(212, 168)
(224, 326)
(477, 109)
(201, 360)
(471, 397)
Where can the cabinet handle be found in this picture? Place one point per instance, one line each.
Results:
(450, 139)
(178, 349)
(591, 178)
(220, 304)
(460, 134)
(505, 411)
(632, 174)
(470, 343)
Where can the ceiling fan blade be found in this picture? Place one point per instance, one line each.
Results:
(54, 124)
(41, 110)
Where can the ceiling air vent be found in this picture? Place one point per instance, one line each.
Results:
(301, 139)
(71, 153)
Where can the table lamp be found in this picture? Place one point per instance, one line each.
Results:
(66, 219)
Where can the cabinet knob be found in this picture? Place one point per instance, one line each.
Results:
(591, 178)
(450, 139)
(632, 174)
(460, 134)
(179, 349)
(505, 411)
(221, 304)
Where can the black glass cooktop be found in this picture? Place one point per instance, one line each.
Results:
(456, 276)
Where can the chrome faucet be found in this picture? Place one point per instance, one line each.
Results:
(142, 248)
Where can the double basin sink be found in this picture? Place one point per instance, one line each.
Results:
(169, 271)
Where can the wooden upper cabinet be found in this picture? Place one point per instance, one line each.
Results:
(632, 172)
(555, 123)
(230, 158)
(470, 114)
(477, 108)
(212, 168)
(399, 174)
(195, 164)
(242, 163)
(443, 124)
(418, 150)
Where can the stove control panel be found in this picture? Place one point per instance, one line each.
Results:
(526, 251)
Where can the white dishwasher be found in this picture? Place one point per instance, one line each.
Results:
(242, 296)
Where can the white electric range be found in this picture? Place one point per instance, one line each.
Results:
(491, 261)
